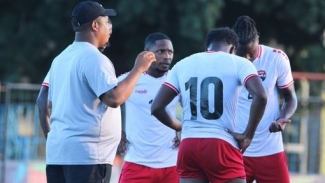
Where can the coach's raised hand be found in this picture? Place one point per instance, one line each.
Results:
(119, 94)
(143, 61)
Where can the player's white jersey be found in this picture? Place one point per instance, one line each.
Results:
(273, 68)
(209, 84)
(151, 142)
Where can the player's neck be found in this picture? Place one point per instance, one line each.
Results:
(219, 47)
(155, 73)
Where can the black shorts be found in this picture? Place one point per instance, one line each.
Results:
(78, 173)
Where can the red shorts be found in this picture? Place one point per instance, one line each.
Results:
(209, 159)
(134, 173)
(267, 169)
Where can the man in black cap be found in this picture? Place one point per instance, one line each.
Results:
(84, 98)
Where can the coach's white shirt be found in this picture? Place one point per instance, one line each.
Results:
(151, 142)
(83, 129)
(273, 67)
(209, 85)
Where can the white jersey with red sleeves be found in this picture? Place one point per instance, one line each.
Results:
(209, 85)
(151, 142)
(273, 67)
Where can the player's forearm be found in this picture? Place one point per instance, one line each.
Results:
(288, 107)
(256, 114)
(123, 116)
(117, 96)
(164, 117)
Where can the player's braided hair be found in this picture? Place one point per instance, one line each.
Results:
(152, 38)
(223, 35)
(245, 28)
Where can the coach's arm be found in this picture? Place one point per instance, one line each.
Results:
(43, 110)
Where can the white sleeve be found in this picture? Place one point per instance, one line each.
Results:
(172, 80)
(100, 74)
(285, 78)
(246, 70)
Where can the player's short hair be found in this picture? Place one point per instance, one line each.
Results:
(223, 35)
(245, 28)
(151, 39)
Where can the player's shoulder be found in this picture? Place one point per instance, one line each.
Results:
(267, 51)
(189, 58)
(192, 58)
(185, 62)
(236, 59)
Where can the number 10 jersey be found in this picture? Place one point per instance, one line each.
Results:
(209, 85)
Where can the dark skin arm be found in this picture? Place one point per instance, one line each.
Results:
(288, 108)
(122, 147)
(158, 108)
(256, 89)
(43, 110)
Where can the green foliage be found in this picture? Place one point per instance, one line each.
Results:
(33, 32)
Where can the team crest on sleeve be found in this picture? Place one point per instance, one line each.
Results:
(262, 74)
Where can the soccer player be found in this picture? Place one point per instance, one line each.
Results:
(208, 84)
(151, 153)
(84, 97)
(265, 159)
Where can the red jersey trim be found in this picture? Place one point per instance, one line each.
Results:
(46, 84)
(171, 87)
(286, 86)
(248, 77)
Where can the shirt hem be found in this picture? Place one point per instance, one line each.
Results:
(167, 165)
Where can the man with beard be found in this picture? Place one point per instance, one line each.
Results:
(150, 146)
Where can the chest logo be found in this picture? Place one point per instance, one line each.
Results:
(262, 74)
(141, 91)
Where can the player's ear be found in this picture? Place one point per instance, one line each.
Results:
(232, 49)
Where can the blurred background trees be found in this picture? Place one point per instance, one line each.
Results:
(33, 32)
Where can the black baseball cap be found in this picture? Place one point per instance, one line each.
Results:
(88, 11)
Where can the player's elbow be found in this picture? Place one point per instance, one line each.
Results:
(261, 97)
(154, 109)
(111, 100)
(114, 103)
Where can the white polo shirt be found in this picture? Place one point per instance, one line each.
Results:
(209, 85)
(83, 129)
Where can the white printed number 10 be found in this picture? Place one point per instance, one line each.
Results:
(217, 90)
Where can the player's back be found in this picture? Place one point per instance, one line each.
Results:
(209, 84)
